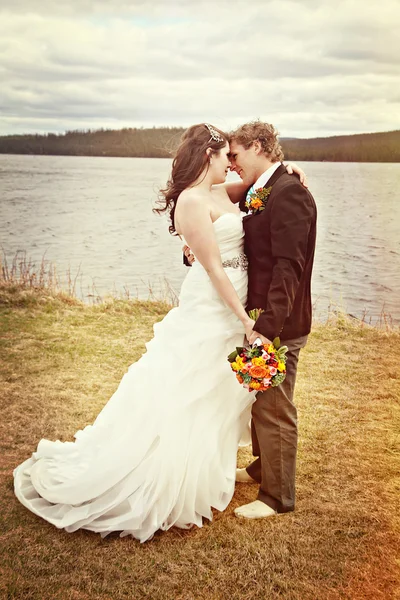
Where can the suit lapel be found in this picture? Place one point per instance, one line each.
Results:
(275, 176)
(242, 205)
(273, 179)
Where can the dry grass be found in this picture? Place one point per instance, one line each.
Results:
(23, 281)
(62, 360)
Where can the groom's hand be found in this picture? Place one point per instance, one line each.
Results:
(256, 335)
(291, 168)
(189, 255)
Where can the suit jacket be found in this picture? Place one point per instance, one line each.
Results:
(279, 243)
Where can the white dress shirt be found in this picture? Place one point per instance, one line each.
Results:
(263, 179)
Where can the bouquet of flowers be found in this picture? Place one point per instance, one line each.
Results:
(261, 366)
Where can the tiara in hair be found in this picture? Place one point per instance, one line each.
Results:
(217, 137)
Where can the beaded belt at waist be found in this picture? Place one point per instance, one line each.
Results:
(237, 262)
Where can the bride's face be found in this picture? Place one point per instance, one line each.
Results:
(220, 164)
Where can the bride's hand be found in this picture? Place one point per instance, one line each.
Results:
(248, 328)
(291, 168)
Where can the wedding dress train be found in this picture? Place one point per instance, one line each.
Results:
(162, 451)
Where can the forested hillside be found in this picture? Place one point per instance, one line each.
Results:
(366, 147)
(160, 142)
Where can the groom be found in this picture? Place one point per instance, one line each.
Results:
(279, 244)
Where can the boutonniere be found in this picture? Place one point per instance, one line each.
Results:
(257, 201)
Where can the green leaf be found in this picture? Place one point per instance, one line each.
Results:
(254, 313)
(276, 342)
(232, 356)
(281, 353)
(278, 378)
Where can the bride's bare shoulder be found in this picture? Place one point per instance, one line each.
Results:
(192, 203)
(191, 198)
(189, 194)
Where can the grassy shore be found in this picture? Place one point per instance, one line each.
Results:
(60, 362)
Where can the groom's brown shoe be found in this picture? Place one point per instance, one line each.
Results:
(242, 476)
(255, 510)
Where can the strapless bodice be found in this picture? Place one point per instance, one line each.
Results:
(230, 235)
(197, 287)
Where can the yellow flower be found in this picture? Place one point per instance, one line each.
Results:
(255, 385)
(239, 362)
(271, 348)
(258, 361)
(235, 366)
(281, 366)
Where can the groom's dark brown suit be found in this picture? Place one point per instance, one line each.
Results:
(279, 244)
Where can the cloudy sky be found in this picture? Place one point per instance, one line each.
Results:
(311, 67)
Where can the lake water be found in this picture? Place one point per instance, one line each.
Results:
(93, 217)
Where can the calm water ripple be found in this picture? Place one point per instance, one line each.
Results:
(93, 215)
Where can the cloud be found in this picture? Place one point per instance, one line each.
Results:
(309, 68)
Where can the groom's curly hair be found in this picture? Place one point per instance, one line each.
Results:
(265, 133)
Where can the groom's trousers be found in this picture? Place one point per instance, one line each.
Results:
(274, 437)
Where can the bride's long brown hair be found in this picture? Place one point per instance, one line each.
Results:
(190, 161)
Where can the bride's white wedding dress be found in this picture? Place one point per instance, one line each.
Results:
(162, 451)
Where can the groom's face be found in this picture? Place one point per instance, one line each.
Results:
(244, 162)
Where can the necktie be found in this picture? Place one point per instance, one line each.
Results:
(250, 191)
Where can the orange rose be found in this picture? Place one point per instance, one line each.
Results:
(259, 372)
(256, 203)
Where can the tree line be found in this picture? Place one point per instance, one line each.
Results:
(364, 147)
(161, 142)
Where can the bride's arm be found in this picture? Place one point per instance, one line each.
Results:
(198, 230)
(236, 190)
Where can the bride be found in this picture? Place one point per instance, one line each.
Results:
(162, 452)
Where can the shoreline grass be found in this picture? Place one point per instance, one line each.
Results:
(60, 361)
(24, 278)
